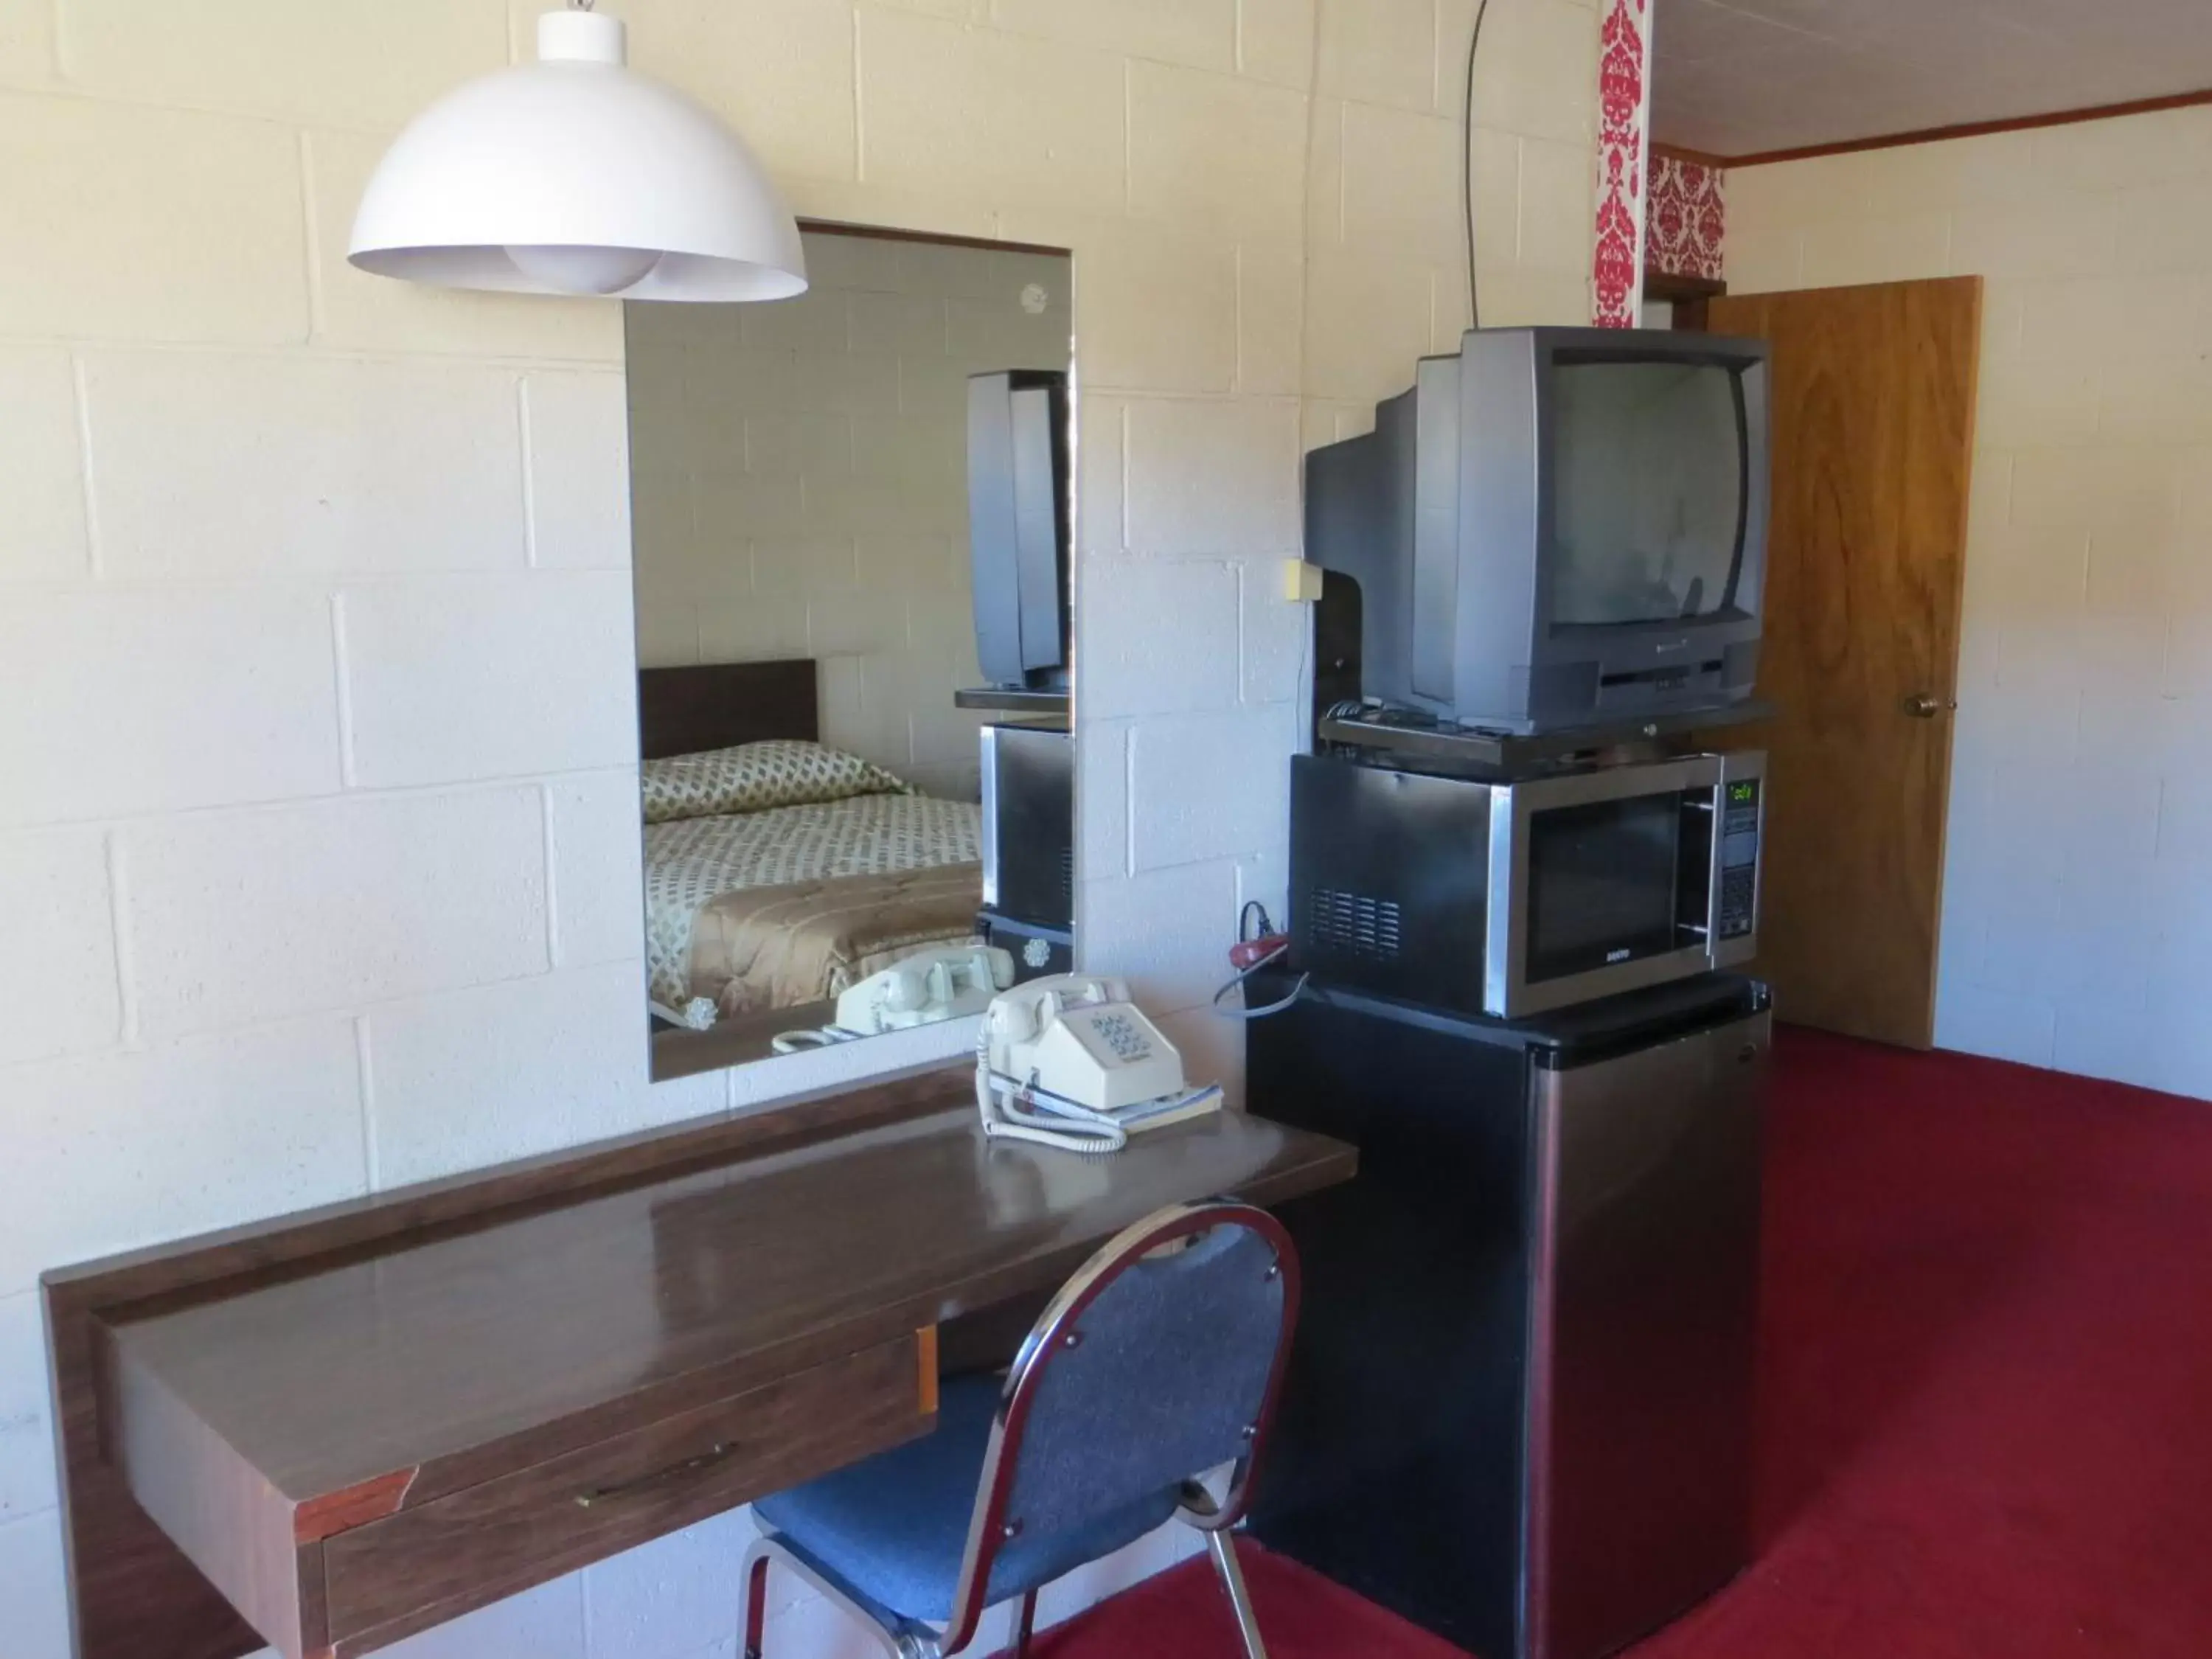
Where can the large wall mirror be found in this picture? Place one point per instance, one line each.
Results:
(851, 514)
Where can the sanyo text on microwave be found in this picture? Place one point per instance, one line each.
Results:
(1510, 898)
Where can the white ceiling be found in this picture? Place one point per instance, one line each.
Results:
(1735, 78)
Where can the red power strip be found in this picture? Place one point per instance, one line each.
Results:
(1250, 952)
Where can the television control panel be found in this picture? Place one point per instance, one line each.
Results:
(1740, 811)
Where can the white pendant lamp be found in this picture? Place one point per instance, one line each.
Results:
(573, 175)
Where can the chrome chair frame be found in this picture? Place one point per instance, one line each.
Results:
(910, 1639)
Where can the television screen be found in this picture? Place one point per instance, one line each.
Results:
(1648, 507)
(1017, 526)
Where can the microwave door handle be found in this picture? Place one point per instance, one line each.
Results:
(1717, 847)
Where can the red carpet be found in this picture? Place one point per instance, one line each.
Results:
(1986, 1393)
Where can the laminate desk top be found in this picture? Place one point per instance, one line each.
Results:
(359, 1440)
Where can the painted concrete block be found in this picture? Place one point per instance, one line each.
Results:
(199, 233)
(240, 917)
(218, 464)
(149, 700)
(59, 992)
(485, 678)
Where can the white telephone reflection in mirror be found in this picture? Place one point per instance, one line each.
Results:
(925, 987)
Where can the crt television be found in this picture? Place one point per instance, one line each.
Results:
(1018, 526)
(1555, 527)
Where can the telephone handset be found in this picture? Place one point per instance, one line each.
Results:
(924, 988)
(928, 987)
(1069, 1061)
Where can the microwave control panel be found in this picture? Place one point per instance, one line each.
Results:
(1739, 858)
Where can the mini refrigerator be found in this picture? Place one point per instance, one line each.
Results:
(1519, 1411)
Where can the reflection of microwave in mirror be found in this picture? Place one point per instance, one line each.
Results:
(850, 510)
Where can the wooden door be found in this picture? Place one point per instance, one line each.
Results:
(1873, 398)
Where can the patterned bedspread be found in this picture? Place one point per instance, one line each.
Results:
(690, 862)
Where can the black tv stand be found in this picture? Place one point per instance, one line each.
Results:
(1009, 700)
(1407, 738)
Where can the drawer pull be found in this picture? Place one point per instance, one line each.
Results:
(586, 1500)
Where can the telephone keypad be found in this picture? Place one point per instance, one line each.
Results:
(1121, 1036)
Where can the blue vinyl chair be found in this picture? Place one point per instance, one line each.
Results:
(1158, 1363)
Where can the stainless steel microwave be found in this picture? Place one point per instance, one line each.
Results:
(1513, 897)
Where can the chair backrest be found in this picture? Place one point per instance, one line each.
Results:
(1157, 1363)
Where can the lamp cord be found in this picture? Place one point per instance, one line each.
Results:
(1467, 167)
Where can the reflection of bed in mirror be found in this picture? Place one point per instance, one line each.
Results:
(779, 872)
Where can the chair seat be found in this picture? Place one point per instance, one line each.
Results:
(894, 1527)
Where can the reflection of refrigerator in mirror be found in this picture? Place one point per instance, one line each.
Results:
(1028, 847)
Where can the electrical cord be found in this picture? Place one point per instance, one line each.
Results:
(797, 1042)
(1275, 1007)
(1253, 922)
(1467, 167)
(1010, 1110)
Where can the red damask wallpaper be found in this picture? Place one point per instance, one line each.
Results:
(1688, 219)
(1624, 87)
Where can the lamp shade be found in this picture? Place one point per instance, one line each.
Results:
(573, 175)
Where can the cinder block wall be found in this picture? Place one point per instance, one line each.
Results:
(2077, 891)
(318, 855)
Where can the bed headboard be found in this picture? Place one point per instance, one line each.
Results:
(682, 711)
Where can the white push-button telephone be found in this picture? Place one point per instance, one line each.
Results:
(1069, 1061)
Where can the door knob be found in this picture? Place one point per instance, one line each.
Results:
(1925, 706)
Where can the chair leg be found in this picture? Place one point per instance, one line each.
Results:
(899, 1638)
(753, 1616)
(1028, 1626)
(1240, 1598)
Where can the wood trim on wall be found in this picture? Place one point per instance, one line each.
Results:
(1696, 158)
(942, 239)
(1691, 296)
(2065, 117)
(1677, 289)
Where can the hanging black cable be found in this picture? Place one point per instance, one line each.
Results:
(1467, 167)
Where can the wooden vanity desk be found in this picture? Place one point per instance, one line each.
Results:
(332, 1431)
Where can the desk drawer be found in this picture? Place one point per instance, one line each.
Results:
(419, 1567)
